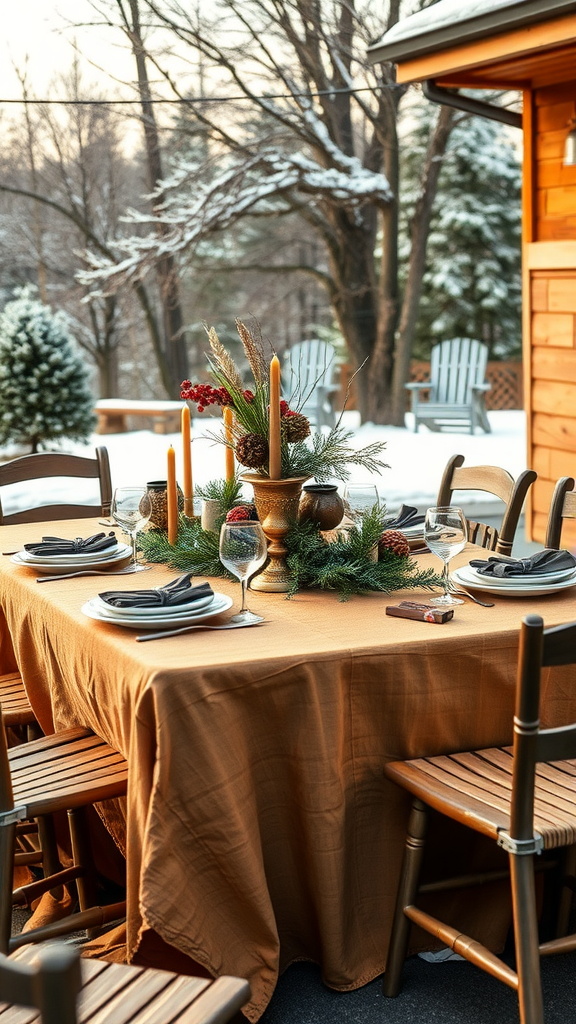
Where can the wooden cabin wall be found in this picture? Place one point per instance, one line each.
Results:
(550, 279)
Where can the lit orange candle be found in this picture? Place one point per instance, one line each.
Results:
(274, 464)
(172, 498)
(228, 421)
(187, 457)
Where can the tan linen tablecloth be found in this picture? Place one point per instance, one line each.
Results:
(260, 826)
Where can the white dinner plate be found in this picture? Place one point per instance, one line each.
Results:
(221, 603)
(122, 552)
(536, 581)
(77, 559)
(512, 589)
(191, 607)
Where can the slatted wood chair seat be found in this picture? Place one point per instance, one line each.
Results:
(477, 785)
(523, 797)
(121, 994)
(14, 701)
(65, 770)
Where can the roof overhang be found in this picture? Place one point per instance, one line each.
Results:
(418, 36)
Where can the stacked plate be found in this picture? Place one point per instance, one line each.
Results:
(54, 565)
(516, 586)
(162, 617)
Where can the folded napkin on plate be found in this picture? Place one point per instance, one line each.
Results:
(173, 594)
(539, 564)
(78, 546)
(407, 516)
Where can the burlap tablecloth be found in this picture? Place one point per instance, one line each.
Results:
(260, 828)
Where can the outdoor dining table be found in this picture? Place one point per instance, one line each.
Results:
(259, 828)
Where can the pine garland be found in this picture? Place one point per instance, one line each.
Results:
(344, 566)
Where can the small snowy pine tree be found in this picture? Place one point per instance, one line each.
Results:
(44, 393)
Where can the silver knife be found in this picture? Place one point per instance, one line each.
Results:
(188, 629)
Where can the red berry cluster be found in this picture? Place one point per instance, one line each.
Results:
(204, 394)
(284, 408)
(239, 514)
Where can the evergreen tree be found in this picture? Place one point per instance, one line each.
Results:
(44, 393)
(472, 284)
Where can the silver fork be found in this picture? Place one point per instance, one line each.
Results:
(127, 571)
(465, 593)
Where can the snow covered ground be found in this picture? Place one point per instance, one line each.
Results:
(416, 461)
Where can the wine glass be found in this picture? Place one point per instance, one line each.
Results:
(360, 497)
(131, 508)
(445, 533)
(243, 549)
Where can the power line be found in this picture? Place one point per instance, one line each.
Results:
(205, 99)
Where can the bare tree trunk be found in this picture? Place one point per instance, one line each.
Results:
(175, 340)
(419, 230)
(37, 224)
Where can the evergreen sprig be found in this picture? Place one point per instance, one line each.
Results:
(227, 492)
(324, 456)
(196, 550)
(345, 565)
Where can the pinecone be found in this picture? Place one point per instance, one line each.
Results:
(252, 451)
(295, 426)
(242, 514)
(394, 541)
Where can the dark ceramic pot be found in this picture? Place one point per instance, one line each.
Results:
(321, 504)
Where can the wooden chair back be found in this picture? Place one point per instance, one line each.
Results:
(456, 366)
(539, 648)
(51, 984)
(562, 506)
(493, 480)
(45, 465)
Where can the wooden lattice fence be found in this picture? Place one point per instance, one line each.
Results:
(505, 377)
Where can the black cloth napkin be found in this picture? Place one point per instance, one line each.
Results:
(78, 546)
(539, 564)
(407, 516)
(175, 593)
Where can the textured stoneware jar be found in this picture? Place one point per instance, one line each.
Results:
(321, 504)
(159, 502)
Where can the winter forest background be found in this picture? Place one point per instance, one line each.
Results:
(260, 169)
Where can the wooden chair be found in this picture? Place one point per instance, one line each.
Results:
(457, 387)
(563, 506)
(495, 481)
(51, 464)
(13, 698)
(68, 990)
(518, 798)
(66, 771)
(308, 377)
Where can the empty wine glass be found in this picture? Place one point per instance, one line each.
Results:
(243, 549)
(360, 497)
(446, 533)
(131, 508)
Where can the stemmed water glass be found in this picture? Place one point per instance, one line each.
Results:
(243, 549)
(131, 508)
(445, 533)
(361, 497)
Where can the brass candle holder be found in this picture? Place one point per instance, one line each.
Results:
(277, 506)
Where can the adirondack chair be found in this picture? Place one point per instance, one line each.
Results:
(457, 387)
(308, 380)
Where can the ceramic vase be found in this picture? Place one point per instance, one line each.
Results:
(322, 505)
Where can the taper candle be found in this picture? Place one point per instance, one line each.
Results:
(172, 497)
(187, 458)
(228, 421)
(274, 459)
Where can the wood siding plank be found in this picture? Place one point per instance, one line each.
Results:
(555, 398)
(554, 431)
(555, 329)
(554, 364)
(562, 294)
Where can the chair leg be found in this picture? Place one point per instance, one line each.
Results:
(407, 890)
(7, 841)
(526, 939)
(82, 854)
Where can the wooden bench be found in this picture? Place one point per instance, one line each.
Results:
(112, 413)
